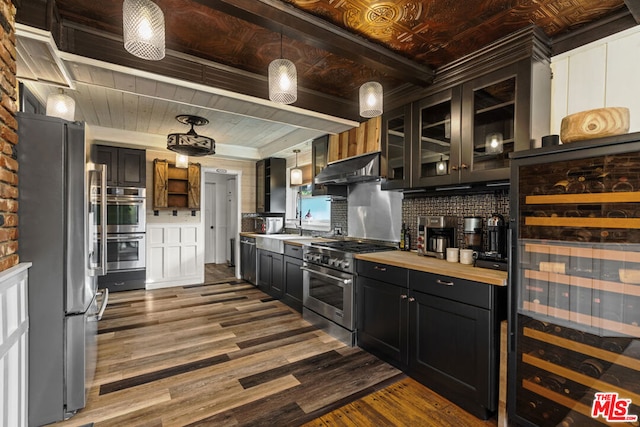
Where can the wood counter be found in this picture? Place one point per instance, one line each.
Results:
(412, 261)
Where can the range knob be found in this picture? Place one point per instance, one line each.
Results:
(345, 264)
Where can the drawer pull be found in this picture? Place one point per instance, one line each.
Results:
(380, 268)
(412, 299)
(442, 282)
(403, 296)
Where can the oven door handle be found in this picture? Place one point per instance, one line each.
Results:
(118, 201)
(328, 276)
(126, 238)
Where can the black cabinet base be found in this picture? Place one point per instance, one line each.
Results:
(123, 280)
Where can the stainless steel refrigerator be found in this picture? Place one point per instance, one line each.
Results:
(59, 235)
(574, 354)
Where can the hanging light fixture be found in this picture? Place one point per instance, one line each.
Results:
(371, 99)
(441, 167)
(190, 143)
(283, 80)
(182, 161)
(493, 143)
(143, 29)
(296, 173)
(61, 105)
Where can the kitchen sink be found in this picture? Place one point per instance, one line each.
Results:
(275, 242)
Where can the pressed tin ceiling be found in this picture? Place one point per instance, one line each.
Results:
(336, 45)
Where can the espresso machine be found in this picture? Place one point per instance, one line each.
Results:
(496, 255)
(435, 235)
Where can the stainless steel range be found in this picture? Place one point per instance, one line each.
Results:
(329, 295)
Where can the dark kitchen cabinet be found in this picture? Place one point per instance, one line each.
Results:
(293, 276)
(126, 167)
(480, 109)
(454, 338)
(396, 148)
(248, 259)
(271, 182)
(270, 273)
(319, 161)
(382, 320)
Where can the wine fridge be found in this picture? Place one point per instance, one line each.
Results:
(574, 325)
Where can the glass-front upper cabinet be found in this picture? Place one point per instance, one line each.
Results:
(488, 132)
(436, 144)
(396, 156)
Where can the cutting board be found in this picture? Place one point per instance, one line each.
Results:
(596, 123)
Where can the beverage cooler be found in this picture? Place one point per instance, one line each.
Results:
(574, 334)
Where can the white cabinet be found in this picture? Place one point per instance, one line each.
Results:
(175, 255)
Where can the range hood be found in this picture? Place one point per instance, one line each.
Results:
(354, 169)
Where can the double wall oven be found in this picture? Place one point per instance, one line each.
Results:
(125, 234)
(328, 285)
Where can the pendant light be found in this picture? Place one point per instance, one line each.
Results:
(190, 143)
(371, 99)
(441, 167)
(283, 80)
(61, 105)
(493, 143)
(143, 29)
(295, 177)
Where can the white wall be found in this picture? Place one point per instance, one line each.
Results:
(604, 73)
(14, 336)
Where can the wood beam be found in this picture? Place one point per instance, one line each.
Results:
(296, 24)
(634, 8)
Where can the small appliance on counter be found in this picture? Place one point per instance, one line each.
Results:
(269, 224)
(435, 235)
(472, 229)
(496, 255)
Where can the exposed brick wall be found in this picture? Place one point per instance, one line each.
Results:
(8, 138)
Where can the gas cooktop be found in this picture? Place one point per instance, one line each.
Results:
(354, 246)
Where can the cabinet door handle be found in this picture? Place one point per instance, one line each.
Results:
(403, 296)
(380, 268)
(454, 168)
(464, 166)
(442, 282)
(412, 299)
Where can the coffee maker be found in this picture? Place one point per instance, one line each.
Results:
(496, 255)
(435, 235)
(472, 229)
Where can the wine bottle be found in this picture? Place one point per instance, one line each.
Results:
(402, 231)
(407, 240)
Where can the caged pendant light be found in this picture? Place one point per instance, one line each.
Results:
(143, 29)
(371, 99)
(283, 80)
(61, 105)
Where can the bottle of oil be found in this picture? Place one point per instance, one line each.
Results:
(407, 240)
(403, 230)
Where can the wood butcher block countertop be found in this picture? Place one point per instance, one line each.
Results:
(413, 261)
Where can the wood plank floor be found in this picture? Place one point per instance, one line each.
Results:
(225, 354)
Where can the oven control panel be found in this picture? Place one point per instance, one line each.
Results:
(339, 262)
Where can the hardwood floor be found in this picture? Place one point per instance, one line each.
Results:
(225, 354)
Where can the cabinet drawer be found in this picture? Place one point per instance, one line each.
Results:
(465, 291)
(382, 272)
(293, 251)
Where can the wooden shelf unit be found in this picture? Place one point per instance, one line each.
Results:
(176, 188)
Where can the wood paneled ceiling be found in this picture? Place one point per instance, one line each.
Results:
(336, 45)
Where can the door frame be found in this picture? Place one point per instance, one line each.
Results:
(229, 173)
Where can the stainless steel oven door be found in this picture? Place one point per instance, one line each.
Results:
(126, 210)
(329, 293)
(126, 252)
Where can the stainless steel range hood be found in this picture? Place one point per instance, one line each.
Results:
(354, 169)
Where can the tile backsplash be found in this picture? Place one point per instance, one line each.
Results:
(482, 205)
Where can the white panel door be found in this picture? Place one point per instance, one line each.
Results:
(210, 223)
